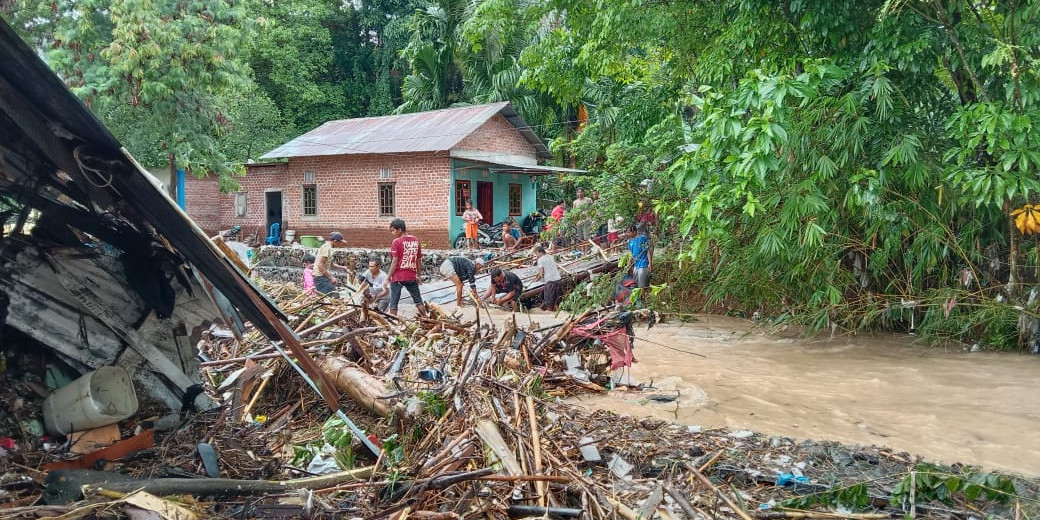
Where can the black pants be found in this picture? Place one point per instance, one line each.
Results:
(395, 293)
(324, 285)
(551, 295)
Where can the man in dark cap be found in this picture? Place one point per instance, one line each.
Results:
(324, 282)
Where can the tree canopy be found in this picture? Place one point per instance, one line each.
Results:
(813, 160)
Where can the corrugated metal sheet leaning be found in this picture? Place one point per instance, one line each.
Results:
(112, 272)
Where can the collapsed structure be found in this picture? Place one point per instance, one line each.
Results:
(96, 262)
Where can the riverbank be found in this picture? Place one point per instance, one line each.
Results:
(946, 405)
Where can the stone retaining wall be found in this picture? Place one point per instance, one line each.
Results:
(286, 263)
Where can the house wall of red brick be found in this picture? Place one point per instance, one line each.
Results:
(348, 197)
(348, 192)
(203, 202)
(497, 135)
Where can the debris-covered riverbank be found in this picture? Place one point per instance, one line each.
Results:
(447, 418)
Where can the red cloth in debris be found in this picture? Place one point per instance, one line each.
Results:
(616, 342)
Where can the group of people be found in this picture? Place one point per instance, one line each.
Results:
(384, 289)
(587, 230)
(506, 287)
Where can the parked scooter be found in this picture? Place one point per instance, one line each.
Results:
(488, 236)
(534, 222)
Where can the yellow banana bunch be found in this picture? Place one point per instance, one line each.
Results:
(1027, 219)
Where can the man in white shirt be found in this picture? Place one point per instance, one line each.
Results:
(548, 272)
(378, 293)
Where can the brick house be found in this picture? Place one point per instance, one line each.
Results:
(356, 175)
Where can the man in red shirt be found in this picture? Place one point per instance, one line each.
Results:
(405, 263)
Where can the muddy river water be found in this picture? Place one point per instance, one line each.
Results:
(947, 405)
(944, 404)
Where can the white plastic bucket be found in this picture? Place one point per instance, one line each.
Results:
(99, 398)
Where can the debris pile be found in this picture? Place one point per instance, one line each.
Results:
(447, 417)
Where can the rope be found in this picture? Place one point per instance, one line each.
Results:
(84, 169)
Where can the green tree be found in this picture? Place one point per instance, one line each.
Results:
(820, 159)
(153, 71)
(436, 79)
(292, 60)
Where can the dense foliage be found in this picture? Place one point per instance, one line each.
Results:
(842, 164)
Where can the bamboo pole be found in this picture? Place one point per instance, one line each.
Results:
(536, 442)
(66, 484)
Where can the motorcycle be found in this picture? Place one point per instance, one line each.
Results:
(534, 223)
(488, 236)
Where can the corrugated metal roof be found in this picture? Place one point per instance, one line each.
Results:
(433, 131)
(505, 165)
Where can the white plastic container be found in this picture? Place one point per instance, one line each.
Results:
(99, 398)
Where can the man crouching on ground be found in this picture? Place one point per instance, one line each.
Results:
(505, 290)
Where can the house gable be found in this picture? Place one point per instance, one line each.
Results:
(498, 138)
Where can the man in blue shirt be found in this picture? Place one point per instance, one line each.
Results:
(640, 247)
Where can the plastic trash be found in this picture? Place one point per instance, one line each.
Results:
(209, 459)
(99, 398)
(619, 466)
(784, 479)
(588, 449)
(324, 462)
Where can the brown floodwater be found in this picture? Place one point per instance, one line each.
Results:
(944, 404)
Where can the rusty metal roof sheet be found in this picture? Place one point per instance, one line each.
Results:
(433, 131)
(48, 138)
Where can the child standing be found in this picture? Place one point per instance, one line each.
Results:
(472, 217)
(308, 274)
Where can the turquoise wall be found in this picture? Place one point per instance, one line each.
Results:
(463, 170)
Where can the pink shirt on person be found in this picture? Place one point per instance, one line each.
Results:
(308, 280)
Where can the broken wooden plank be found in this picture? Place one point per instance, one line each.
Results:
(488, 432)
(64, 486)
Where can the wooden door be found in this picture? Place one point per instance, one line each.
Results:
(486, 201)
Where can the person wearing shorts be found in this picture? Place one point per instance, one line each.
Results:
(472, 217)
